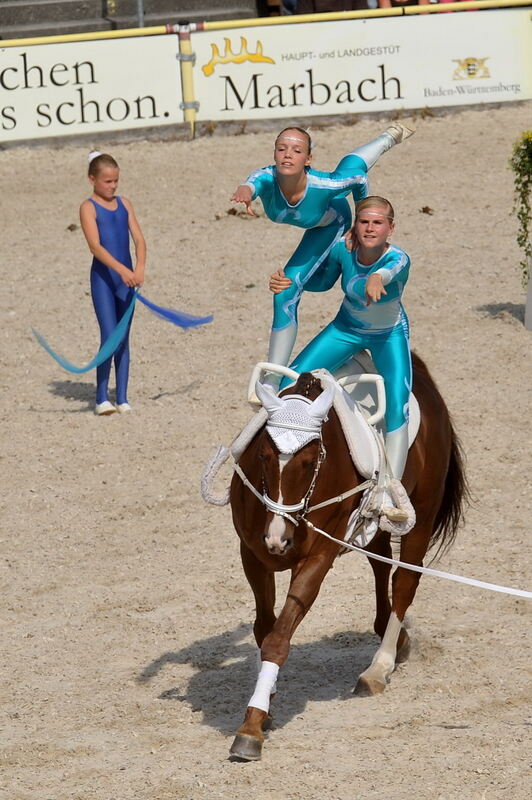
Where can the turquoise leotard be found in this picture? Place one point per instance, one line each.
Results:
(381, 328)
(323, 211)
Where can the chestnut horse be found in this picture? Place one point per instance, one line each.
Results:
(274, 537)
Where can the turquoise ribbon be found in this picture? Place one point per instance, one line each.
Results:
(106, 350)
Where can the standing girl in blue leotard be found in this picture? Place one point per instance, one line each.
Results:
(372, 317)
(107, 221)
(294, 194)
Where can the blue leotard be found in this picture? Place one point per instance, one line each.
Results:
(110, 295)
(323, 211)
(381, 327)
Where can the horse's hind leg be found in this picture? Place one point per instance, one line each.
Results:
(374, 679)
(381, 572)
(395, 645)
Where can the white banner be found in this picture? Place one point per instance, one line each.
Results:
(364, 65)
(87, 87)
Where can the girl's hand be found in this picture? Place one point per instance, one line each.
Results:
(243, 194)
(374, 288)
(129, 278)
(278, 282)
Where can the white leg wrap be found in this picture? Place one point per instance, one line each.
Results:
(265, 686)
(383, 663)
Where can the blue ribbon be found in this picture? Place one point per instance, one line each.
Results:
(117, 335)
(176, 317)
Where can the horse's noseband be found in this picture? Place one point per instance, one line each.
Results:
(281, 508)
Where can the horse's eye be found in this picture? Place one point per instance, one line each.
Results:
(307, 463)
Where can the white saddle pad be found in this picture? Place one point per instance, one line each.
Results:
(353, 404)
(364, 394)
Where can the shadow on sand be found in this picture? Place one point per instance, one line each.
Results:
(226, 669)
(500, 310)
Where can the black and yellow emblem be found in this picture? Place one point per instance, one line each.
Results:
(469, 68)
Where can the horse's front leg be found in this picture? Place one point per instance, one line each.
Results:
(307, 577)
(248, 742)
(395, 644)
(262, 582)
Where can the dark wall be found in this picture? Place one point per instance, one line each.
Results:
(24, 18)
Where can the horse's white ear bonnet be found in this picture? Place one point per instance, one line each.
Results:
(293, 420)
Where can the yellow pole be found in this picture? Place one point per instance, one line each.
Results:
(469, 4)
(187, 59)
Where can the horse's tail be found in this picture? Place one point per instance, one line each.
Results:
(456, 494)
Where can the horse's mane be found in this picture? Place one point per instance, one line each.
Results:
(307, 385)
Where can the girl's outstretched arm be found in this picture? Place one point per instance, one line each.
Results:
(244, 194)
(374, 288)
(254, 186)
(139, 242)
(87, 216)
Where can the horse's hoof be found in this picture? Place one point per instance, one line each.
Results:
(367, 687)
(246, 748)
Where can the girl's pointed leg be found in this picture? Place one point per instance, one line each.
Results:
(394, 134)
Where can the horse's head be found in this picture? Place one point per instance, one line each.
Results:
(290, 453)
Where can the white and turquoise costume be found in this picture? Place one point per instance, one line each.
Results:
(380, 327)
(324, 213)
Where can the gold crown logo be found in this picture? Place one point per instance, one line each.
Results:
(470, 68)
(235, 58)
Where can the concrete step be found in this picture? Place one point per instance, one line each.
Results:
(31, 12)
(157, 12)
(34, 18)
(56, 29)
(173, 17)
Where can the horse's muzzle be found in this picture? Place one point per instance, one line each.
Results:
(278, 545)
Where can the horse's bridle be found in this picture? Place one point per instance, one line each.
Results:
(298, 511)
(283, 509)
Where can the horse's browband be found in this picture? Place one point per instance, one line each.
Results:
(292, 427)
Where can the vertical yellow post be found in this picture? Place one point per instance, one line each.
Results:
(186, 60)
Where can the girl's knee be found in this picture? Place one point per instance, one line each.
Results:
(292, 295)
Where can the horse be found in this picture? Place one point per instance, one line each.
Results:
(281, 534)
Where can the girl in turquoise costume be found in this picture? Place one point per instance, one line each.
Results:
(373, 275)
(107, 222)
(294, 194)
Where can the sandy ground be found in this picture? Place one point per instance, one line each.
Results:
(126, 624)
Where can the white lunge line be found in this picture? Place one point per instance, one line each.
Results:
(493, 587)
